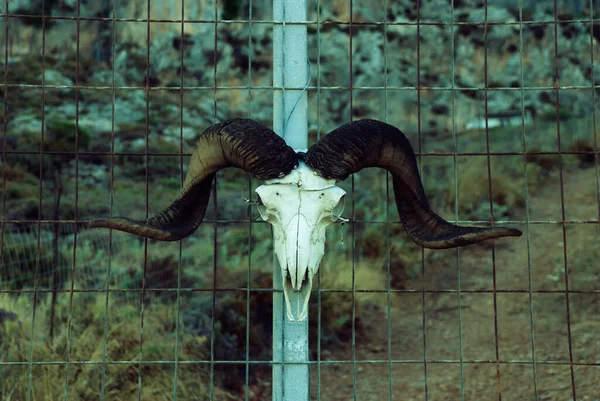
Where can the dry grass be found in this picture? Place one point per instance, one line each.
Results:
(507, 189)
(547, 163)
(585, 159)
(86, 343)
(336, 307)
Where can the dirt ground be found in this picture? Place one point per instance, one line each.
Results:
(493, 326)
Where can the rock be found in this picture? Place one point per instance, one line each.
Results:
(173, 134)
(68, 5)
(365, 12)
(235, 45)
(591, 71)
(87, 173)
(334, 57)
(24, 125)
(261, 50)
(509, 75)
(433, 10)
(543, 12)
(543, 67)
(66, 110)
(494, 14)
(54, 77)
(96, 125)
(497, 34)
(499, 101)
(401, 31)
(440, 109)
(138, 145)
(105, 78)
(368, 58)
(6, 315)
(165, 59)
(467, 77)
(132, 108)
(571, 75)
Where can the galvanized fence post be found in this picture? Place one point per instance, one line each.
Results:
(291, 370)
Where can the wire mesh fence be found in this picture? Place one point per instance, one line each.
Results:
(102, 103)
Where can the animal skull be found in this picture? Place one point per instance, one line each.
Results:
(299, 197)
(299, 206)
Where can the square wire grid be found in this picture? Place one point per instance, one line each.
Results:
(507, 372)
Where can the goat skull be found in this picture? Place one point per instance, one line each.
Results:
(299, 206)
(299, 197)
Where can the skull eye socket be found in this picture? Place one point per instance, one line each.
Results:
(262, 209)
(338, 209)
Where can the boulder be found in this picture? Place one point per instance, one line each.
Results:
(497, 34)
(56, 78)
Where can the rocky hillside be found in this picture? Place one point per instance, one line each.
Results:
(381, 55)
(112, 65)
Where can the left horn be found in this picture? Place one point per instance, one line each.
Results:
(239, 143)
(370, 143)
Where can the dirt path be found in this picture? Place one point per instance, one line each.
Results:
(494, 326)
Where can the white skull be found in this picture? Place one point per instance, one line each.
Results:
(299, 206)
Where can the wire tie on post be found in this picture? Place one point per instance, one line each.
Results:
(343, 221)
(250, 201)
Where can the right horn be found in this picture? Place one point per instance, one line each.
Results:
(370, 143)
(239, 143)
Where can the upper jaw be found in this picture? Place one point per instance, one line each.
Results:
(297, 295)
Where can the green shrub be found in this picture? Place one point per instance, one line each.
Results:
(37, 9)
(564, 114)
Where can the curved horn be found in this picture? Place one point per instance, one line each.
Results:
(239, 143)
(371, 143)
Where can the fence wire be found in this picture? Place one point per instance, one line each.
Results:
(86, 312)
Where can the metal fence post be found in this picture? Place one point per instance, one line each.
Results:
(291, 371)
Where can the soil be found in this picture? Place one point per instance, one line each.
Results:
(486, 351)
(498, 342)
